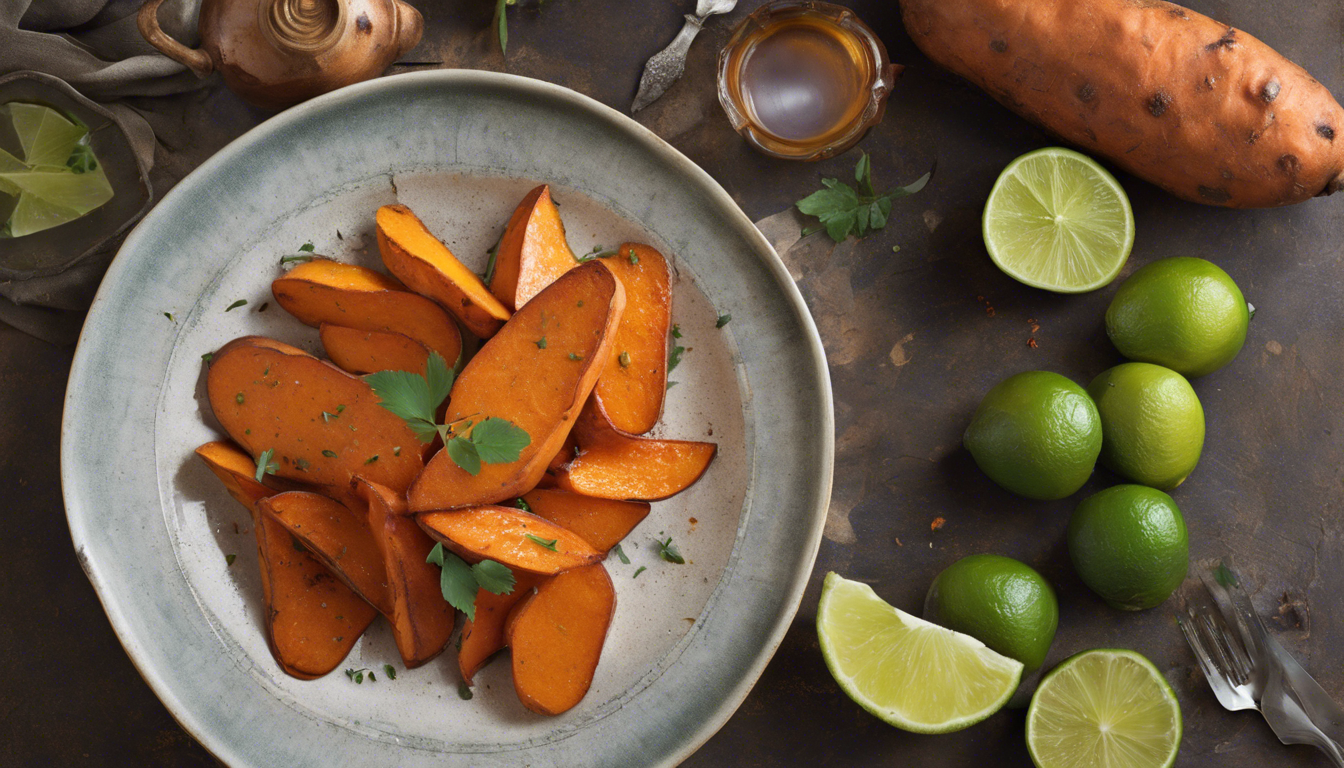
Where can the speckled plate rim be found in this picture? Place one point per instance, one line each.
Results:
(86, 482)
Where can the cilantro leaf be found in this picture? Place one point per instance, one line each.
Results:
(844, 211)
(413, 397)
(668, 551)
(674, 357)
(499, 441)
(456, 581)
(463, 453)
(494, 577)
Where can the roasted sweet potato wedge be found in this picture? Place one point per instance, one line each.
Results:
(533, 253)
(422, 621)
(556, 636)
(484, 636)
(326, 291)
(425, 264)
(600, 522)
(634, 383)
(510, 536)
(322, 424)
(361, 352)
(339, 537)
(612, 464)
(237, 471)
(536, 372)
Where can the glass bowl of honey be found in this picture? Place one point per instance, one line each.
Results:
(804, 80)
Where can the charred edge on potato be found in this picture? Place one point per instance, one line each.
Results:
(1228, 40)
(1158, 104)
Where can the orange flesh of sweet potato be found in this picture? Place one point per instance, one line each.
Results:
(339, 537)
(615, 465)
(361, 352)
(634, 383)
(422, 621)
(1202, 110)
(312, 620)
(425, 264)
(501, 534)
(533, 253)
(484, 636)
(326, 291)
(541, 390)
(268, 395)
(556, 637)
(600, 522)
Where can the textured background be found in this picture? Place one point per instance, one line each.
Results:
(914, 339)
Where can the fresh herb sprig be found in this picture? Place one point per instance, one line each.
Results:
(843, 210)
(669, 552)
(460, 582)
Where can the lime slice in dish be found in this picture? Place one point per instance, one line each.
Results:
(1104, 709)
(1059, 221)
(46, 136)
(58, 180)
(912, 674)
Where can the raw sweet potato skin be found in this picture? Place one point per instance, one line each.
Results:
(360, 352)
(533, 252)
(500, 534)
(483, 636)
(600, 522)
(326, 291)
(336, 535)
(556, 636)
(413, 254)
(422, 621)
(538, 385)
(269, 395)
(634, 383)
(1205, 111)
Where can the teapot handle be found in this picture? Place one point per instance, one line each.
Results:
(195, 59)
(410, 26)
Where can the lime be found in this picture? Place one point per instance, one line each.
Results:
(1036, 434)
(1184, 313)
(1057, 220)
(1128, 544)
(1104, 709)
(58, 180)
(906, 671)
(999, 601)
(1152, 423)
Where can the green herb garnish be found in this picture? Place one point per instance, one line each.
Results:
(328, 454)
(676, 330)
(306, 247)
(621, 554)
(371, 459)
(541, 343)
(460, 582)
(264, 464)
(522, 504)
(638, 571)
(674, 357)
(170, 317)
(463, 690)
(208, 357)
(634, 259)
(843, 211)
(624, 359)
(236, 304)
(573, 356)
(668, 551)
(545, 543)
(723, 320)
(238, 398)
(390, 671)
(228, 559)
(295, 259)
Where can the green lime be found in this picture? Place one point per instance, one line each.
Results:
(1057, 220)
(59, 178)
(1152, 423)
(1104, 709)
(1184, 313)
(1129, 545)
(906, 671)
(999, 601)
(1036, 434)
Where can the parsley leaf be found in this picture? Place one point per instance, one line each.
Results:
(228, 559)
(494, 577)
(723, 320)
(844, 211)
(544, 543)
(676, 330)
(264, 464)
(413, 397)
(541, 343)
(522, 504)
(306, 247)
(463, 453)
(668, 551)
(499, 441)
(621, 554)
(456, 581)
(463, 690)
(390, 671)
(674, 357)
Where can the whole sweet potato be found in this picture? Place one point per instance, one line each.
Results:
(1204, 111)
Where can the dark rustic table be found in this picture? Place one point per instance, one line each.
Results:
(914, 339)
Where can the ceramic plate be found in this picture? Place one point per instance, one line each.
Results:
(153, 527)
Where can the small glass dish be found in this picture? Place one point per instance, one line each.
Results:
(804, 80)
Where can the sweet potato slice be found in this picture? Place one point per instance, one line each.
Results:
(634, 383)
(361, 352)
(425, 264)
(556, 636)
(510, 536)
(326, 291)
(422, 621)
(339, 537)
(237, 471)
(322, 424)
(536, 372)
(612, 464)
(484, 636)
(600, 522)
(533, 253)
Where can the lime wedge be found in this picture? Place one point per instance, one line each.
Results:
(58, 180)
(1104, 709)
(46, 135)
(1057, 220)
(914, 675)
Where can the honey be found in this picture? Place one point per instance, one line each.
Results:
(804, 80)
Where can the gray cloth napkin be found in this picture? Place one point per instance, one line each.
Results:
(95, 46)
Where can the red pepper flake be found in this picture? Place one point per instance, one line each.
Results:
(1032, 342)
(1034, 325)
(937, 523)
(989, 310)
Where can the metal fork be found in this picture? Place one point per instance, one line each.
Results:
(1248, 669)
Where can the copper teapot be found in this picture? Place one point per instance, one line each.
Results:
(275, 53)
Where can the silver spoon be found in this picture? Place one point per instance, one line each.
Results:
(665, 67)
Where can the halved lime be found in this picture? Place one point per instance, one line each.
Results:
(914, 675)
(1104, 709)
(1057, 220)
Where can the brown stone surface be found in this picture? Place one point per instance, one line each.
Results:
(914, 338)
